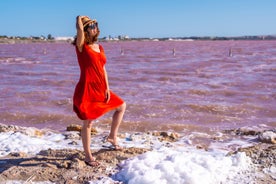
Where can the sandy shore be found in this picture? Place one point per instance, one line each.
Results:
(62, 166)
(67, 165)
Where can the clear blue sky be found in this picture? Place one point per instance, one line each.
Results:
(140, 18)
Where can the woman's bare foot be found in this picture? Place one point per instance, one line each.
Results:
(114, 144)
(92, 163)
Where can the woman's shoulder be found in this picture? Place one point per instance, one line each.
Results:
(80, 50)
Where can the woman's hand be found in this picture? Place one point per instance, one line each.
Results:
(107, 95)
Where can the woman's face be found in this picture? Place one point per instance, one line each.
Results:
(92, 29)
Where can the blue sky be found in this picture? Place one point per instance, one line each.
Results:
(140, 18)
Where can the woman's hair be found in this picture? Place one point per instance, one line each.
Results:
(87, 38)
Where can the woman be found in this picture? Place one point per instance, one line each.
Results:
(92, 96)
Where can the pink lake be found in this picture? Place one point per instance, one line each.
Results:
(199, 86)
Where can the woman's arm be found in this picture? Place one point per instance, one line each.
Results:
(107, 92)
(80, 33)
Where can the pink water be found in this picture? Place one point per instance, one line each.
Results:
(199, 87)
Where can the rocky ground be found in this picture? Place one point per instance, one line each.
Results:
(62, 166)
(262, 153)
(67, 165)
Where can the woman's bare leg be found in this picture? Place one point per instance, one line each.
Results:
(116, 121)
(86, 141)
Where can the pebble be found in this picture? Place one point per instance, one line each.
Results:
(78, 128)
(268, 137)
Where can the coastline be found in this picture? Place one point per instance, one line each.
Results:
(58, 164)
(13, 40)
(27, 41)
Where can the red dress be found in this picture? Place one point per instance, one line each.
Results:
(89, 101)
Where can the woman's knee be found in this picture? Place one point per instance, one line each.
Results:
(87, 123)
(122, 107)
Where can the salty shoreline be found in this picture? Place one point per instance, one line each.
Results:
(65, 164)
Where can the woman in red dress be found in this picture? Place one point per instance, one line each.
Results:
(92, 96)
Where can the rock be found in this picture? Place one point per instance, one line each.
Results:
(247, 131)
(169, 137)
(77, 164)
(174, 136)
(72, 135)
(73, 127)
(70, 181)
(166, 136)
(73, 143)
(78, 128)
(66, 164)
(49, 165)
(268, 137)
(8, 128)
(156, 133)
(18, 154)
(203, 147)
(32, 132)
(244, 131)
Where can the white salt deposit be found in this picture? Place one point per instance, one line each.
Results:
(19, 142)
(182, 165)
(271, 171)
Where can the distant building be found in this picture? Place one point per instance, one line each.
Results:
(64, 38)
(120, 37)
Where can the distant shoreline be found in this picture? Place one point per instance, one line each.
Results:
(13, 41)
(17, 39)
